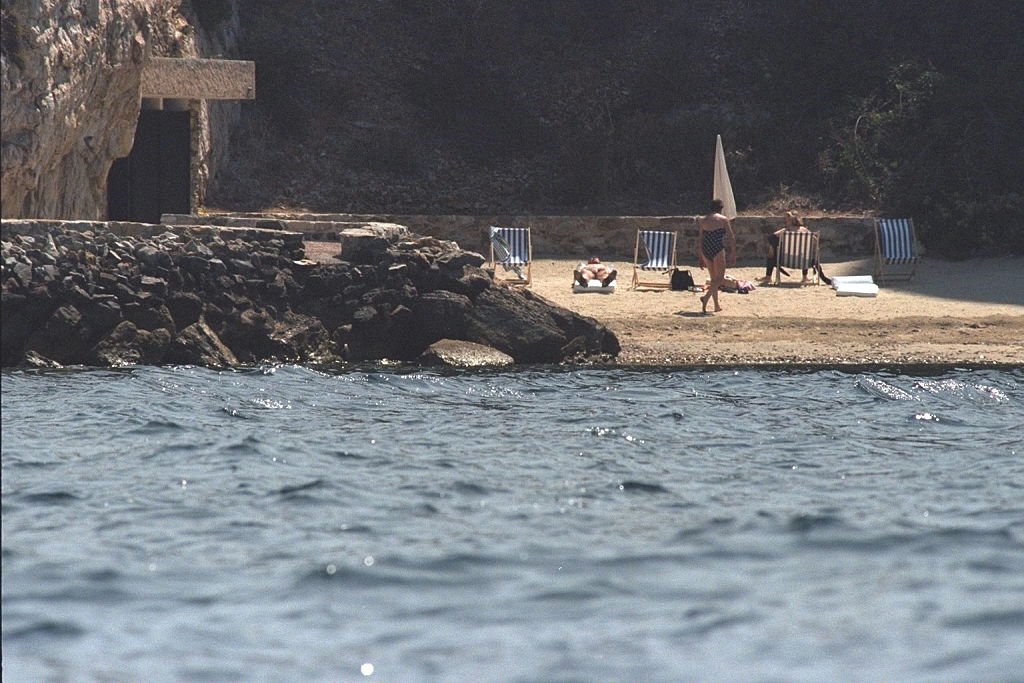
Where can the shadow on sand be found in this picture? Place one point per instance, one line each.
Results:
(993, 280)
(998, 281)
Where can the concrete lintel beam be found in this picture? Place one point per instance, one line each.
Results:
(199, 79)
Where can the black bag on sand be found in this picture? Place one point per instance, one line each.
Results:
(681, 280)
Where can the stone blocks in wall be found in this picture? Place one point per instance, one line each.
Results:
(610, 237)
(199, 79)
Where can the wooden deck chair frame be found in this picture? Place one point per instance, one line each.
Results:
(665, 263)
(895, 249)
(798, 250)
(518, 241)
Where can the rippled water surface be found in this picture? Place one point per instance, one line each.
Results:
(284, 524)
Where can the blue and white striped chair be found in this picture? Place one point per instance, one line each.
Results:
(797, 250)
(895, 249)
(655, 251)
(512, 248)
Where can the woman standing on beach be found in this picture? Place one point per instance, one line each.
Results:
(715, 233)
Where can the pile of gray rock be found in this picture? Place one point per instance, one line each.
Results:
(111, 294)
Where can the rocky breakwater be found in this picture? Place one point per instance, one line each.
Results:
(112, 294)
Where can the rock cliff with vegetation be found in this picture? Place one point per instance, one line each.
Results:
(609, 107)
(537, 107)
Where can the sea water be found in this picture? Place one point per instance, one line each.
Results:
(384, 524)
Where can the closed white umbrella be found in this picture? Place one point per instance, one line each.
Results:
(722, 187)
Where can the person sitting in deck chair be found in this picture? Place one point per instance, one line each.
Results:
(794, 223)
(594, 270)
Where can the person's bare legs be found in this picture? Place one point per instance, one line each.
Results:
(716, 269)
(717, 277)
(712, 287)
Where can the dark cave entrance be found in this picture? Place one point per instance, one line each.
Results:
(155, 177)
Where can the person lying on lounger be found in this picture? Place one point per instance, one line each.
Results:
(594, 270)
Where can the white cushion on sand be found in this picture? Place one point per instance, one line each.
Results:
(857, 289)
(594, 286)
(852, 280)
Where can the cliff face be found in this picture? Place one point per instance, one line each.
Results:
(578, 107)
(70, 75)
(590, 107)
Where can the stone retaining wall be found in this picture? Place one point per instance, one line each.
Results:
(611, 237)
(43, 227)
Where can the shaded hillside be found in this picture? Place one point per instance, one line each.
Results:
(600, 106)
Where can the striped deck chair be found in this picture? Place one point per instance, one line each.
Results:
(512, 248)
(895, 249)
(797, 250)
(655, 250)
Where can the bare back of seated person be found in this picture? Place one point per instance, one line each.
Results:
(793, 224)
(799, 228)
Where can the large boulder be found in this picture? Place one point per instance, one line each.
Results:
(128, 345)
(532, 330)
(439, 315)
(302, 338)
(185, 308)
(197, 344)
(255, 335)
(62, 338)
(22, 314)
(368, 243)
(463, 354)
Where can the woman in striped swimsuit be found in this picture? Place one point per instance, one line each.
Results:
(715, 234)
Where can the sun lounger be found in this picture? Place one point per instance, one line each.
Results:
(594, 287)
(655, 251)
(513, 250)
(797, 250)
(895, 249)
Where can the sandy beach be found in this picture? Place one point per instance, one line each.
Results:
(969, 312)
